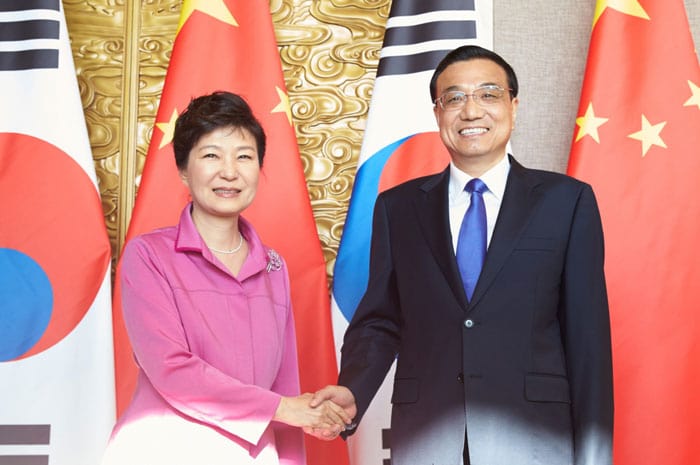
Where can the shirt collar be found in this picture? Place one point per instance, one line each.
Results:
(495, 179)
(189, 239)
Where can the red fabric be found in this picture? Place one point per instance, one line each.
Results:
(409, 161)
(211, 54)
(647, 68)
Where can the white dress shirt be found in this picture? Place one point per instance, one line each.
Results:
(459, 200)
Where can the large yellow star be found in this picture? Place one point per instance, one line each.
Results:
(588, 124)
(214, 8)
(694, 95)
(628, 7)
(284, 105)
(649, 135)
(168, 129)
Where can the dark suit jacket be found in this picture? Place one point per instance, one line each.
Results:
(525, 367)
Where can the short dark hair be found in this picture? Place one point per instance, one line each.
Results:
(473, 52)
(207, 113)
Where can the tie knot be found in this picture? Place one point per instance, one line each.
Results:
(476, 185)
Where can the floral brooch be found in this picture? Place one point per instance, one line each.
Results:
(274, 262)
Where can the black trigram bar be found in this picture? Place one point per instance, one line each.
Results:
(441, 30)
(28, 59)
(406, 64)
(416, 7)
(20, 5)
(386, 438)
(32, 29)
(24, 435)
(24, 460)
(386, 444)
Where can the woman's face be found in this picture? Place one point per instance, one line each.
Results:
(222, 172)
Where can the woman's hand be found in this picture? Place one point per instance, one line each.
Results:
(327, 415)
(338, 396)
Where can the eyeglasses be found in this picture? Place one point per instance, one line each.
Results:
(483, 96)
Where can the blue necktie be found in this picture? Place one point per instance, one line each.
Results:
(471, 245)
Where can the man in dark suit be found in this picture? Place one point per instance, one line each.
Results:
(506, 365)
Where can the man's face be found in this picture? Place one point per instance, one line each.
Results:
(475, 132)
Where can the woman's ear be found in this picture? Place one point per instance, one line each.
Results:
(183, 177)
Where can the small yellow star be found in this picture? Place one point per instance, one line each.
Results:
(588, 124)
(214, 8)
(284, 105)
(168, 129)
(628, 7)
(649, 135)
(694, 97)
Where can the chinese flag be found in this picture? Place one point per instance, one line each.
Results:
(230, 45)
(637, 141)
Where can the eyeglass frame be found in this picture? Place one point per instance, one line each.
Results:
(477, 100)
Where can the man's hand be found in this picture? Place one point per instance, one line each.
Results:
(323, 416)
(338, 396)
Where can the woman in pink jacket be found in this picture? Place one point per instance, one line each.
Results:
(208, 312)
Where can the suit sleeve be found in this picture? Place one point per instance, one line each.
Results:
(586, 331)
(372, 339)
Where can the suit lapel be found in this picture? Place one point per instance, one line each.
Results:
(519, 199)
(432, 210)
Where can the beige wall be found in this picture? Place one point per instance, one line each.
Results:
(547, 44)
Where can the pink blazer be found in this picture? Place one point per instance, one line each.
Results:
(215, 353)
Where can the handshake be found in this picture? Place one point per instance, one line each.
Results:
(324, 414)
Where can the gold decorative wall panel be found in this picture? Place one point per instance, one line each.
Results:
(329, 51)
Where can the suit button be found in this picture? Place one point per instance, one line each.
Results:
(468, 323)
(460, 378)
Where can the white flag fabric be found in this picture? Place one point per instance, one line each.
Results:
(400, 143)
(57, 403)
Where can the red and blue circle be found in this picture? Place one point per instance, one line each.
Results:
(408, 158)
(54, 250)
